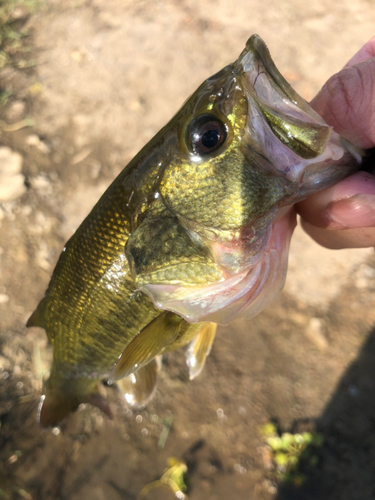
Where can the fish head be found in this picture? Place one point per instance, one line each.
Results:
(248, 148)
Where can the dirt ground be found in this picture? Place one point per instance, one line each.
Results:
(108, 74)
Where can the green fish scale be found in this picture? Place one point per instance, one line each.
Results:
(91, 310)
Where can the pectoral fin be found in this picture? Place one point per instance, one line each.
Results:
(154, 339)
(199, 349)
(139, 387)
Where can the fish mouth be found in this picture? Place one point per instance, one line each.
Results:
(239, 295)
(283, 128)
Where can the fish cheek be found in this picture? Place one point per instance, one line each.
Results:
(160, 251)
(206, 193)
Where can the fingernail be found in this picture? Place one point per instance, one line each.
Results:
(349, 213)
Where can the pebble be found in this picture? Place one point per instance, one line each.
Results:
(12, 187)
(4, 298)
(16, 111)
(26, 210)
(34, 140)
(364, 277)
(5, 364)
(10, 161)
(12, 182)
(314, 332)
(42, 257)
(41, 183)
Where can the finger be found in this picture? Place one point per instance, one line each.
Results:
(364, 54)
(344, 238)
(343, 216)
(347, 103)
(349, 204)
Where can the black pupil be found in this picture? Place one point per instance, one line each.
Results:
(205, 134)
(210, 139)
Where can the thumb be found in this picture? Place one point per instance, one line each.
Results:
(347, 100)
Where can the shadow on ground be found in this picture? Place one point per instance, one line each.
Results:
(347, 458)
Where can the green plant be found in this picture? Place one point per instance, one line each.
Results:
(173, 479)
(288, 451)
(13, 13)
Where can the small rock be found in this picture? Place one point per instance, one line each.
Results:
(10, 162)
(12, 182)
(43, 256)
(16, 111)
(26, 210)
(12, 187)
(42, 225)
(34, 140)
(364, 277)
(4, 298)
(5, 364)
(298, 318)
(95, 168)
(18, 13)
(314, 332)
(40, 183)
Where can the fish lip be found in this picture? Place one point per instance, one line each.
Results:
(275, 91)
(256, 46)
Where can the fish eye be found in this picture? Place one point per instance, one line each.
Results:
(205, 134)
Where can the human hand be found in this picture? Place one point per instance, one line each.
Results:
(343, 216)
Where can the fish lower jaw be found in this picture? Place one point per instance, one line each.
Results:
(240, 295)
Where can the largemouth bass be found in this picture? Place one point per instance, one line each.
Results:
(194, 231)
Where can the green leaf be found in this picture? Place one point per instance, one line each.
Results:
(275, 443)
(281, 458)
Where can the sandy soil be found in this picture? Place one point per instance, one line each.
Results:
(109, 74)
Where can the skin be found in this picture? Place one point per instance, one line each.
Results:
(343, 216)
